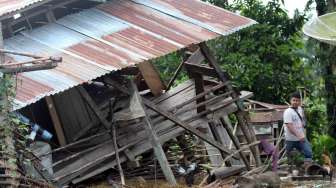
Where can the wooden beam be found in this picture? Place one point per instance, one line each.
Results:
(201, 69)
(159, 153)
(56, 121)
(196, 57)
(152, 78)
(178, 70)
(199, 88)
(215, 155)
(240, 114)
(50, 15)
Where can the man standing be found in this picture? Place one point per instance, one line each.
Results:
(294, 123)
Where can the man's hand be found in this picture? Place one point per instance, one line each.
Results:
(291, 128)
(301, 137)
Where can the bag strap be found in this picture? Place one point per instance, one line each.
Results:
(298, 115)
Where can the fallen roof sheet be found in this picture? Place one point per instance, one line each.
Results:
(11, 6)
(112, 36)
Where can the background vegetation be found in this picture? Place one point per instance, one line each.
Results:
(274, 58)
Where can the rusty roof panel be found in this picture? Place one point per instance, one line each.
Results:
(112, 36)
(166, 26)
(202, 14)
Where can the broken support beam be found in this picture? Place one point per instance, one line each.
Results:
(235, 141)
(177, 121)
(178, 70)
(159, 153)
(56, 120)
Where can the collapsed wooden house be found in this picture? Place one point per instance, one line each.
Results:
(91, 102)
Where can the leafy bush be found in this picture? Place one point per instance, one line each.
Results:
(323, 144)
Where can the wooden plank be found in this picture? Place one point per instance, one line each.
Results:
(64, 109)
(196, 58)
(94, 107)
(199, 88)
(152, 78)
(235, 141)
(141, 147)
(215, 156)
(224, 172)
(159, 153)
(201, 69)
(171, 81)
(56, 121)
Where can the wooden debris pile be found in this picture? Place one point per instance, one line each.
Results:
(114, 122)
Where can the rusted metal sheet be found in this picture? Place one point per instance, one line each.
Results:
(204, 15)
(113, 36)
(10, 6)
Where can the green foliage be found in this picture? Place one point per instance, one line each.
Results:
(321, 144)
(7, 91)
(315, 111)
(265, 58)
(167, 66)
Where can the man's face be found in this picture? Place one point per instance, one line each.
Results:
(295, 102)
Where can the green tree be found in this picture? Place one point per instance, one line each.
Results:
(265, 58)
(324, 56)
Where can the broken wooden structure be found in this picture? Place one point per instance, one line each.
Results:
(106, 103)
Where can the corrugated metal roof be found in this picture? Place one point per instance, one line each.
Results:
(10, 6)
(112, 36)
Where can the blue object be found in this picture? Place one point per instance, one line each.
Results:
(36, 129)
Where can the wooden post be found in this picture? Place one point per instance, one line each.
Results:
(159, 153)
(56, 121)
(240, 114)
